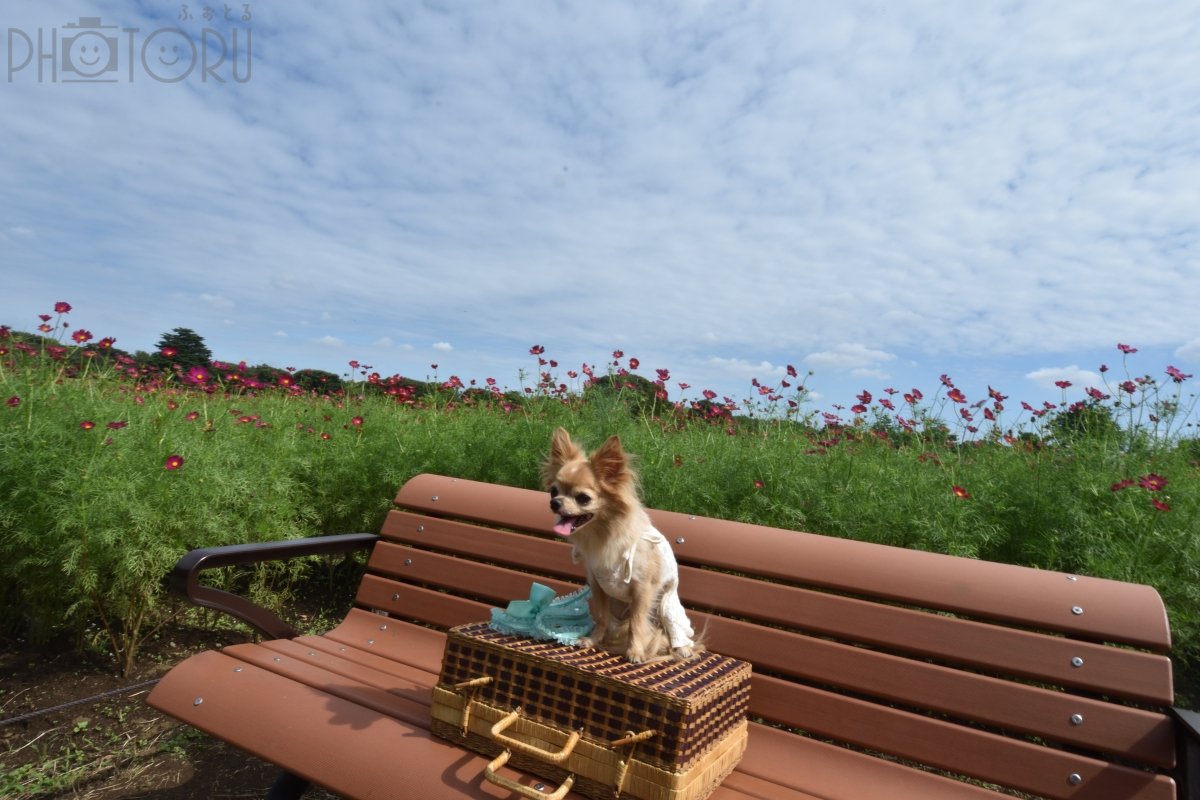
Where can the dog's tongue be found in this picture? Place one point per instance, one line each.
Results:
(565, 526)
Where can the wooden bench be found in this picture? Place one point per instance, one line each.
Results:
(879, 672)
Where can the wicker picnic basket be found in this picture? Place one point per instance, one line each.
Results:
(590, 720)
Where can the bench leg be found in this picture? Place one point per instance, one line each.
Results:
(288, 787)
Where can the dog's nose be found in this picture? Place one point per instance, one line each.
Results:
(555, 504)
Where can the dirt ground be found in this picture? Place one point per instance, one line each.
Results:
(116, 747)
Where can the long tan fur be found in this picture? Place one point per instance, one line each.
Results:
(599, 511)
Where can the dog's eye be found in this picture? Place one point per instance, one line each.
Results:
(554, 491)
(583, 499)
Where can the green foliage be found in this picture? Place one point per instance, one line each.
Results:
(317, 380)
(186, 347)
(641, 396)
(1089, 420)
(93, 516)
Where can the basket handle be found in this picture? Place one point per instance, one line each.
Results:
(522, 747)
(489, 772)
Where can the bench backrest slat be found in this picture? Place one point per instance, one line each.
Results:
(962, 666)
(1084, 607)
(1111, 728)
(1134, 675)
(943, 745)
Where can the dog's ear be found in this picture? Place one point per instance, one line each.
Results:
(562, 450)
(610, 462)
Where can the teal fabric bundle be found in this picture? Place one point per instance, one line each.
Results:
(563, 619)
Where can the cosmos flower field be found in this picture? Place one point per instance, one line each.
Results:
(112, 467)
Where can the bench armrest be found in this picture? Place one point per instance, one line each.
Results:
(184, 578)
(1189, 751)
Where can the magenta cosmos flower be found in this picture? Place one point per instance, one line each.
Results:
(173, 462)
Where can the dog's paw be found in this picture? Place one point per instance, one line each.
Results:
(636, 654)
(683, 653)
(588, 641)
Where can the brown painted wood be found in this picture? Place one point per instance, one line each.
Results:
(1110, 611)
(1130, 674)
(959, 666)
(382, 753)
(1107, 727)
(1011, 762)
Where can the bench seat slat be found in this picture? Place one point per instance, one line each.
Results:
(1129, 674)
(1111, 611)
(375, 749)
(377, 757)
(1143, 735)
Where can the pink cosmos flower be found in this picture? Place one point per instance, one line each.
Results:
(1177, 375)
(1160, 505)
(356, 421)
(14, 401)
(87, 425)
(960, 492)
(1152, 482)
(1063, 384)
(1124, 483)
(62, 307)
(1129, 386)
(634, 363)
(173, 462)
(956, 395)
(116, 425)
(80, 336)
(192, 416)
(1124, 348)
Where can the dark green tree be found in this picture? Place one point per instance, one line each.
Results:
(1089, 420)
(182, 346)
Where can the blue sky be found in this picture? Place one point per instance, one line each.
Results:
(880, 193)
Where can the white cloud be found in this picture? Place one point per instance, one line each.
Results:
(280, 334)
(217, 302)
(948, 183)
(384, 341)
(444, 347)
(746, 369)
(1190, 351)
(330, 341)
(858, 359)
(1079, 378)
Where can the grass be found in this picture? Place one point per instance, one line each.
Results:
(93, 516)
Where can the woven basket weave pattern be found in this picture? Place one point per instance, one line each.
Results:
(690, 706)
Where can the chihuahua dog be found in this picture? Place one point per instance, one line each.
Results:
(630, 567)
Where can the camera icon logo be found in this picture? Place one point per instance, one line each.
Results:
(88, 51)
